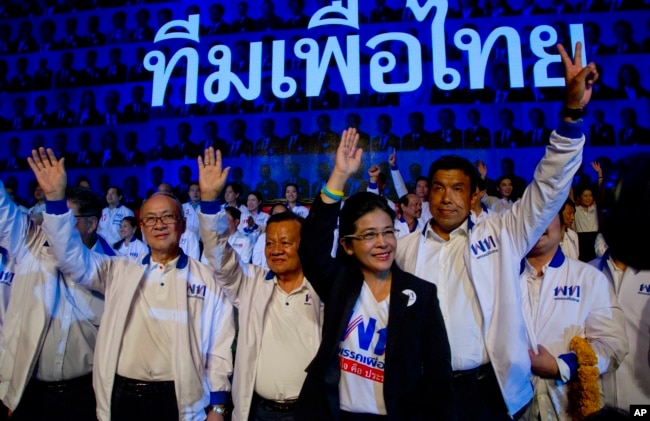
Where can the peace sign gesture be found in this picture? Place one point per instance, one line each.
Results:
(579, 80)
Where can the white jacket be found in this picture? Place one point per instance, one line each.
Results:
(494, 251)
(575, 300)
(249, 287)
(630, 384)
(202, 356)
(7, 273)
(36, 279)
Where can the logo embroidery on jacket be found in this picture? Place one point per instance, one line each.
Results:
(196, 291)
(568, 293)
(644, 289)
(484, 247)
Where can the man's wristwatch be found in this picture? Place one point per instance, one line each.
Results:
(219, 409)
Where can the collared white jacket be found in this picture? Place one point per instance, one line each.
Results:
(249, 287)
(575, 299)
(202, 358)
(494, 251)
(630, 384)
(37, 284)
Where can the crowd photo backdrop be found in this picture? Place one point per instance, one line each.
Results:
(130, 92)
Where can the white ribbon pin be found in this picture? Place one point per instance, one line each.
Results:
(412, 296)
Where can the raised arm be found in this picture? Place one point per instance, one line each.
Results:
(543, 198)
(398, 181)
(318, 229)
(16, 229)
(59, 225)
(230, 273)
(599, 172)
(220, 333)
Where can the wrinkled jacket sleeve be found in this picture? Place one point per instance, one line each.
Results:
(605, 327)
(230, 273)
(398, 182)
(316, 246)
(16, 229)
(219, 365)
(531, 215)
(74, 259)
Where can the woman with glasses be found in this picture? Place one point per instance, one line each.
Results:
(384, 351)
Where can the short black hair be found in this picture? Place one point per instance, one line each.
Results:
(257, 194)
(285, 216)
(567, 202)
(131, 220)
(404, 200)
(358, 205)
(236, 187)
(117, 190)
(233, 212)
(454, 162)
(87, 202)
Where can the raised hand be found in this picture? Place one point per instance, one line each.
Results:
(392, 158)
(579, 80)
(212, 178)
(50, 173)
(373, 173)
(348, 161)
(348, 156)
(482, 169)
(596, 167)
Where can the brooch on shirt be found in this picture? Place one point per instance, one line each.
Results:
(412, 296)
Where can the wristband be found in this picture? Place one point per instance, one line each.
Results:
(573, 113)
(334, 195)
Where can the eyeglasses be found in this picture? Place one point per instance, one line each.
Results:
(85, 216)
(150, 221)
(372, 236)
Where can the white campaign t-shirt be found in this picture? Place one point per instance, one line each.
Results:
(362, 355)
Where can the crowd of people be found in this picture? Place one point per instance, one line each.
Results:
(72, 78)
(440, 306)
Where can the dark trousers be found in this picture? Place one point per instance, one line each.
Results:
(57, 401)
(352, 416)
(477, 396)
(137, 400)
(265, 410)
(586, 244)
(4, 412)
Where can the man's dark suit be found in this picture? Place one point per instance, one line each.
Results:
(636, 135)
(136, 112)
(63, 118)
(385, 143)
(602, 135)
(134, 158)
(83, 159)
(13, 164)
(512, 138)
(447, 139)
(159, 153)
(271, 145)
(537, 137)
(244, 148)
(477, 138)
(185, 150)
(298, 143)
